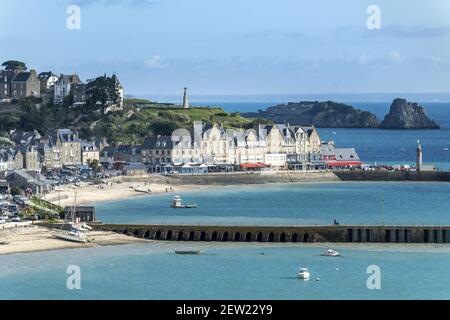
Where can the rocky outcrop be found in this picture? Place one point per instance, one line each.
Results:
(407, 115)
(327, 114)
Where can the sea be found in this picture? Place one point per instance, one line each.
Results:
(269, 271)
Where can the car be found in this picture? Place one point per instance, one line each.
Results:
(2, 221)
(15, 219)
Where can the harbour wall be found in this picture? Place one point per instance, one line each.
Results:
(392, 176)
(240, 178)
(367, 234)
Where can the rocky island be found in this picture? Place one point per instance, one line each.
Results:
(407, 115)
(330, 114)
(326, 114)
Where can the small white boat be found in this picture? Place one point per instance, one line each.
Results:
(331, 253)
(188, 251)
(303, 273)
(177, 204)
(445, 149)
(141, 189)
(73, 236)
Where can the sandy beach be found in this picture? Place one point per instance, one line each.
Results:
(32, 238)
(114, 189)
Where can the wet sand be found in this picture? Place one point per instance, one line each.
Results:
(32, 238)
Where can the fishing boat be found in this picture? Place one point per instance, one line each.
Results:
(331, 253)
(177, 204)
(304, 273)
(445, 149)
(188, 251)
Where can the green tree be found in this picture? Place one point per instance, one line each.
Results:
(16, 191)
(14, 65)
(102, 93)
(95, 165)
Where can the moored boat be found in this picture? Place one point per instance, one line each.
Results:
(304, 273)
(177, 204)
(188, 251)
(331, 253)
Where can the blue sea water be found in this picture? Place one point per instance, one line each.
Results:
(293, 204)
(225, 271)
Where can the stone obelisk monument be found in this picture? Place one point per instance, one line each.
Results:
(185, 99)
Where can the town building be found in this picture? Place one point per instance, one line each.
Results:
(128, 153)
(61, 147)
(157, 150)
(25, 84)
(333, 157)
(63, 86)
(89, 152)
(47, 80)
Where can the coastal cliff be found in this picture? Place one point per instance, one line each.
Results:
(407, 115)
(326, 114)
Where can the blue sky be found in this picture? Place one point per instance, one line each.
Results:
(237, 46)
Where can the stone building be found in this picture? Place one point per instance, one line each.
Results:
(89, 152)
(25, 84)
(63, 86)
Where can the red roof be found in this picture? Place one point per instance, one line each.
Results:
(343, 163)
(253, 165)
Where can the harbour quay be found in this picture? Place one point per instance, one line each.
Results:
(284, 234)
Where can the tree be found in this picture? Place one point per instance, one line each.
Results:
(16, 191)
(14, 65)
(95, 165)
(102, 93)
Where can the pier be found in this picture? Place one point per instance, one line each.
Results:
(335, 233)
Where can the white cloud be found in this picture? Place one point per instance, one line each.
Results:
(155, 62)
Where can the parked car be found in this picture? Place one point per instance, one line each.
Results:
(15, 219)
(2, 221)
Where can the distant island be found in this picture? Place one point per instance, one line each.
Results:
(327, 114)
(330, 114)
(407, 115)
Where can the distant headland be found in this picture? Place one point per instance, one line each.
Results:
(330, 114)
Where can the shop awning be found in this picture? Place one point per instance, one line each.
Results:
(343, 163)
(253, 165)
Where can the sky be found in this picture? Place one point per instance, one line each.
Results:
(236, 46)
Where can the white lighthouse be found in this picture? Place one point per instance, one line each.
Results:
(419, 155)
(185, 99)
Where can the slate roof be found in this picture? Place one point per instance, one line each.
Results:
(159, 142)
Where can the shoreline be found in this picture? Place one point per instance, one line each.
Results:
(33, 238)
(119, 188)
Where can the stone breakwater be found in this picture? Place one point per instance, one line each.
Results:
(392, 176)
(383, 234)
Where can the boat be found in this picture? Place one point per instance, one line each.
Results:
(141, 189)
(76, 232)
(189, 251)
(331, 253)
(177, 204)
(445, 149)
(303, 273)
(73, 236)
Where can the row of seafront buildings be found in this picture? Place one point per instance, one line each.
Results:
(15, 84)
(213, 148)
